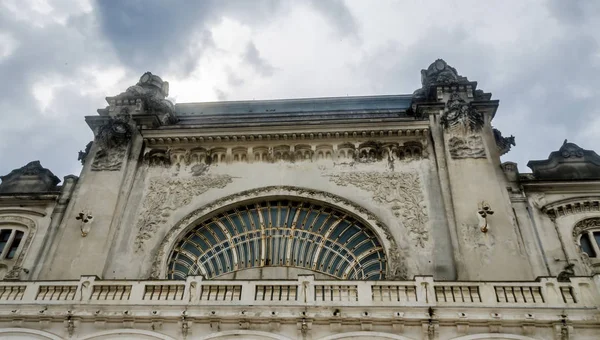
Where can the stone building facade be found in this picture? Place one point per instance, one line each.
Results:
(381, 217)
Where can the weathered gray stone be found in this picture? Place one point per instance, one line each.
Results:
(570, 162)
(465, 247)
(31, 178)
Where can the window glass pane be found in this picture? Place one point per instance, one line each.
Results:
(597, 237)
(586, 245)
(4, 236)
(15, 244)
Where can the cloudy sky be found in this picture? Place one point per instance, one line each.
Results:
(60, 58)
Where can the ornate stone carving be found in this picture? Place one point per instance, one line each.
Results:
(466, 147)
(32, 178)
(396, 267)
(503, 143)
(158, 157)
(113, 139)
(369, 152)
(438, 73)
(168, 194)
(460, 115)
(566, 274)
(15, 272)
(150, 92)
(400, 190)
(83, 154)
(581, 226)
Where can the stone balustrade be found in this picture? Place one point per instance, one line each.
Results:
(581, 292)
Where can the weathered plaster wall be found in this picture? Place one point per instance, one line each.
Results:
(398, 193)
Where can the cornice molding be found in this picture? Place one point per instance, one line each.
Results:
(572, 206)
(561, 187)
(153, 138)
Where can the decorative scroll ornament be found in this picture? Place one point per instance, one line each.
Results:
(168, 194)
(113, 139)
(401, 190)
(460, 115)
(503, 143)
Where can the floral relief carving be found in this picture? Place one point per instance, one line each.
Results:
(461, 116)
(400, 190)
(466, 147)
(168, 194)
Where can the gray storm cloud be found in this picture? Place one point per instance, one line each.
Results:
(540, 58)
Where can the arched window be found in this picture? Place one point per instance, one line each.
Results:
(589, 242)
(587, 237)
(279, 233)
(11, 239)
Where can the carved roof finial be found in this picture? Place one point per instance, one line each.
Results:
(568, 163)
(438, 73)
(147, 97)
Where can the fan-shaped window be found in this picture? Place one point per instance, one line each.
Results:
(590, 243)
(277, 232)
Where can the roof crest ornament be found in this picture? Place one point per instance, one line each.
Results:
(438, 73)
(148, 97)
(568, 163)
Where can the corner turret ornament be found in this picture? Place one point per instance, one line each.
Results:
(438, 73)
(147, 98)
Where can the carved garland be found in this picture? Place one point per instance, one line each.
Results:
(168, 194)
(396, 269)
(31, 228)
(401, 190)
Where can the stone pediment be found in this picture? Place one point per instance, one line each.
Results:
(32, 178)
(568, 163)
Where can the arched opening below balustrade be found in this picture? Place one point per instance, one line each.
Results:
(280, 236)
